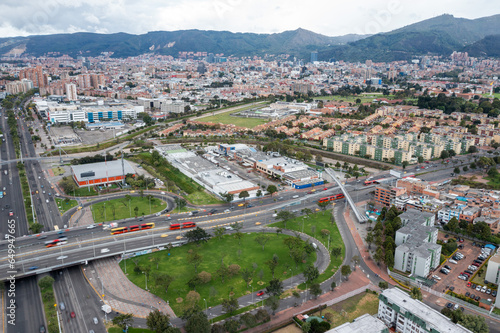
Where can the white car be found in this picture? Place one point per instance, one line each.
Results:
(106, 250)
(92, 226)
(227, 211)
(61, 257)
(436, 277)
(229, 228)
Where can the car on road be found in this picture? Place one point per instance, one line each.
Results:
(106, 250)
(164, 235)
(42, 329)
(178, 237)
(32, 268)
(96, 321)
(92, 226)
(62, 306)
(260, 293)
(11, 213)
(227, 211)
(325, 189)
(258, 223)
(72, 314)
(229, 227)
(449, 305)
(61, 257)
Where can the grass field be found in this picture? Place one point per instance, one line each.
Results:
(352, 308)
(117, 209)
(65, 206)
(84, 192)
(312, 226)
(202, 198)
(58, 171)
(49, 300)
(496, 95)
(213, 252)
(226, 118)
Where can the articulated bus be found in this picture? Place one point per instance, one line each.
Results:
(184, 225)
(370, 182)
(56, 242)
(132, 228)
(332, 198)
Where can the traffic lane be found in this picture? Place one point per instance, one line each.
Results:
(88, 301)
(29, 313)
(71, 317)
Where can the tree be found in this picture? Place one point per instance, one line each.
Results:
(228, 197)
(272, 264)
(415, 293)
(243, 195)
(472, 150)
(246, 275)
(379, 255)
(156, 260)
(337, 251)
(123, 320)
(46, 282)
(219, 232)
(452, 224)
(262, 240)
(322, 205)
(222, 272)
(389, 258)
(273, 302)
(285, 216)
(205, 277)
(317, 327)
(383, 285)
(194, 258)
(476, 324)
(369, 239)
(36, 228)
(157, 321)
(233, 269)
(248, 320)
(444, 154)
(192, 299)
(231, 326)
(306, 327)
(230, 305)
(345, 270)
(456, 170)
(196, 320)
(259, 193)
(275, 287)
(316, 290)
(197, 235)
(310, 273)
(405, 164)
(272, 189)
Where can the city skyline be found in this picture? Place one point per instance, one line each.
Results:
(34, 17)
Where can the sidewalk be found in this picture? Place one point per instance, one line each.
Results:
(356, 281)
(124, 297)
(363, 249)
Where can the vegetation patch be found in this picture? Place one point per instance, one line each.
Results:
(65, 204)
(350, 309)
(48, 298)
(127, 207)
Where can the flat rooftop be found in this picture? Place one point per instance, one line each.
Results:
(101, 170)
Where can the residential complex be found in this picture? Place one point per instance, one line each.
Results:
(417, 251)
(406, 315)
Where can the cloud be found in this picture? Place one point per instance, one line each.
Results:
(328, 17)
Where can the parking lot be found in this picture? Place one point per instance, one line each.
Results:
(451, 281)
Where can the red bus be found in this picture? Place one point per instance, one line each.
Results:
(147, 226)
(188, 225)
(133, 228)
(369, 182)
(332, 198)
(56, 242)
(116, 231)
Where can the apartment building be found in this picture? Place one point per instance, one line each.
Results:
(385, 194)
(404, 314)
(364, 323)
(493, 269)
(417, 251)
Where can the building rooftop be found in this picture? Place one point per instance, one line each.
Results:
(364, 323)
(100, 170)
(432, 318)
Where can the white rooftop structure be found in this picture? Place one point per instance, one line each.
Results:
(364, 323)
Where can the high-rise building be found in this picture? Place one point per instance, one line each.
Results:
(71, 92)
(35, 75)
(314, 56)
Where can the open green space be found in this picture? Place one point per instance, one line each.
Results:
(49, 305)
(26, 193)
(58, 171)
(495, 95)
(65, 204)
(122, 208)
(84, 192)
(202, 198)
(246, 253)
(352, 99)
(226, 118)
(313, 225)
(351, 308)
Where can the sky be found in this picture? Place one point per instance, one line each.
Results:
(328, 17)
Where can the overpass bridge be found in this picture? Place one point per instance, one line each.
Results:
(361, 217)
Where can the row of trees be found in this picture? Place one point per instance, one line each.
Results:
(383, 235)
(92, 159)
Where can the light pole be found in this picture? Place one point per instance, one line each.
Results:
(206, 307)
(146, 276)
(125, 261)
(252, 293)
(102, 286)
(93, 244)
(105, 219)
(130, 207)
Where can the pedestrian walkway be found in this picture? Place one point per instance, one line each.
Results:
(81, 217)
(356, 284)
(363, 249)
(124, 297)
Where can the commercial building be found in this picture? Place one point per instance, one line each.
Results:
(101, 173)
(406, 315)
(417, 251)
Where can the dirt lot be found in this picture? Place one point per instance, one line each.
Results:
(470, 252)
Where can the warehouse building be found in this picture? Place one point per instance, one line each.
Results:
(101, 173)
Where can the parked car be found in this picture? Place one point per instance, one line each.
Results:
(260, 293)
(494, 293)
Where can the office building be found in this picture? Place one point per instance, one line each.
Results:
(314, 56)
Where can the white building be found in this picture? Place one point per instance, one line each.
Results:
(493, 270)
(407, 315)
(364, 323)
(64, 113)
(417, 251)
(71, 92)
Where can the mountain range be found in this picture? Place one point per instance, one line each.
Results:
(440, 35)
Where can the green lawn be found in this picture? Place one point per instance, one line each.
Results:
(84, 192)
(312, 226)
(65, 206)
(117, 209)
(202, 198)
(351, 308)
(226, 118)
(49, 300)
(213, 252)
(496, 95)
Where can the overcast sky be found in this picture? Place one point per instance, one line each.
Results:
(328, 17)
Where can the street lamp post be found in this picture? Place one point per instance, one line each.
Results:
(146, 276)
(206, 307)
(93, 244)
(252, 293)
